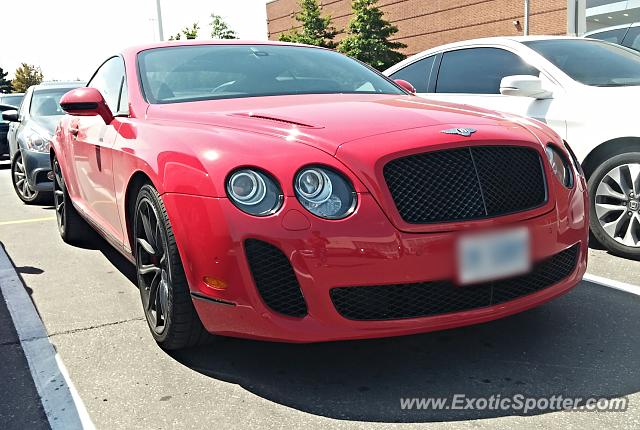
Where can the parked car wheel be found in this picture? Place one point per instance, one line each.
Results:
(21, 185)
(72, 227)
(614, 190)
(164, 291)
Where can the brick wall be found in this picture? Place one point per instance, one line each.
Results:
(424, 24)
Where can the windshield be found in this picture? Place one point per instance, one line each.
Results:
(47, 102)
(206, 72)
(591, 62)
(12, 100)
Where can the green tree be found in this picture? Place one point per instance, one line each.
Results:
(5, 84)
(25, 76)
(316, 29)
(368, 36)
(220, 29)
(188, 32)
(191, 33)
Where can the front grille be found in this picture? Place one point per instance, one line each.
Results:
(274, 278)
(389, 302)
(466, 183)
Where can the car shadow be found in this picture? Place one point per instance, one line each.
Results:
(580, 345)
(96, 242)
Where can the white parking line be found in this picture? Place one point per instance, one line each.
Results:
(611, 283)
(23, 221)
(60, 400)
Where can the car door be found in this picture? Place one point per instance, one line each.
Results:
(92, 152)
(472, 76)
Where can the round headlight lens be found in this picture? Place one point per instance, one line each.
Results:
(247, 187)
(314, 185)
(254, 192)
(560, 166)
(325, 193)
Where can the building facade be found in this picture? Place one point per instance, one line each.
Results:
(607, 13)
(423, 24)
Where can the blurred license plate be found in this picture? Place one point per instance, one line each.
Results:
(489, 256)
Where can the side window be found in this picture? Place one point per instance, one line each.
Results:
(614, 36)
(479, 70)
(418, 74)
(632, 40)
(108, 79)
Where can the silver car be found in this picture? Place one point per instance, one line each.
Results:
(29, 135)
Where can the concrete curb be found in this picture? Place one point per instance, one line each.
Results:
(61, 402)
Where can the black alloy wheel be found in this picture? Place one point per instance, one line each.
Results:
(164, 291)
(152, 265)
(72, 227)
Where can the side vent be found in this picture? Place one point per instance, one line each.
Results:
(251, 115)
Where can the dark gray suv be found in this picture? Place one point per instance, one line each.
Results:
(29, 135)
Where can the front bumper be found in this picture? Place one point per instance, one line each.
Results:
(37, 166)
(364, 249)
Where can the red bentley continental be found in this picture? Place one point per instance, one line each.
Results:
(287, 192)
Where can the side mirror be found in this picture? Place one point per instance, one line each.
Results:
(86, 102)
(10, 115)
(406, 85)
(524, 86)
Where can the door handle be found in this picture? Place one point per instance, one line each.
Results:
(74, 131)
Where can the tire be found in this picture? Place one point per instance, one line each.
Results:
(21, 186)
(73, 229)
(614, 189)
(164, 291)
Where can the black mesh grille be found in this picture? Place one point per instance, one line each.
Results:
(466, 183)
(387, 302)
(274, 278)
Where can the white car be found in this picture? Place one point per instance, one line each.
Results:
(586, 90)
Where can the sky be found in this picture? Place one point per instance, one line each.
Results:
(69, 39)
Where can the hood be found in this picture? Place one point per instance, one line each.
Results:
(46, 123)
(614, 92)
(326, 121)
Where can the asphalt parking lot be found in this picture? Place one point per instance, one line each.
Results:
(584, 345)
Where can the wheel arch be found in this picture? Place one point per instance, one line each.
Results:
(136, 182)
(609, 149)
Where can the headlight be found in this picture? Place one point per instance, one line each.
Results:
(560, 166)
(37, 142)
(254, 192)
(324, 192)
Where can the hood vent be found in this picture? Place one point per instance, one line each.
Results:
(272, 118)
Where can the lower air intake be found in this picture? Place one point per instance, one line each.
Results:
(389, 302)
(274, 278)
